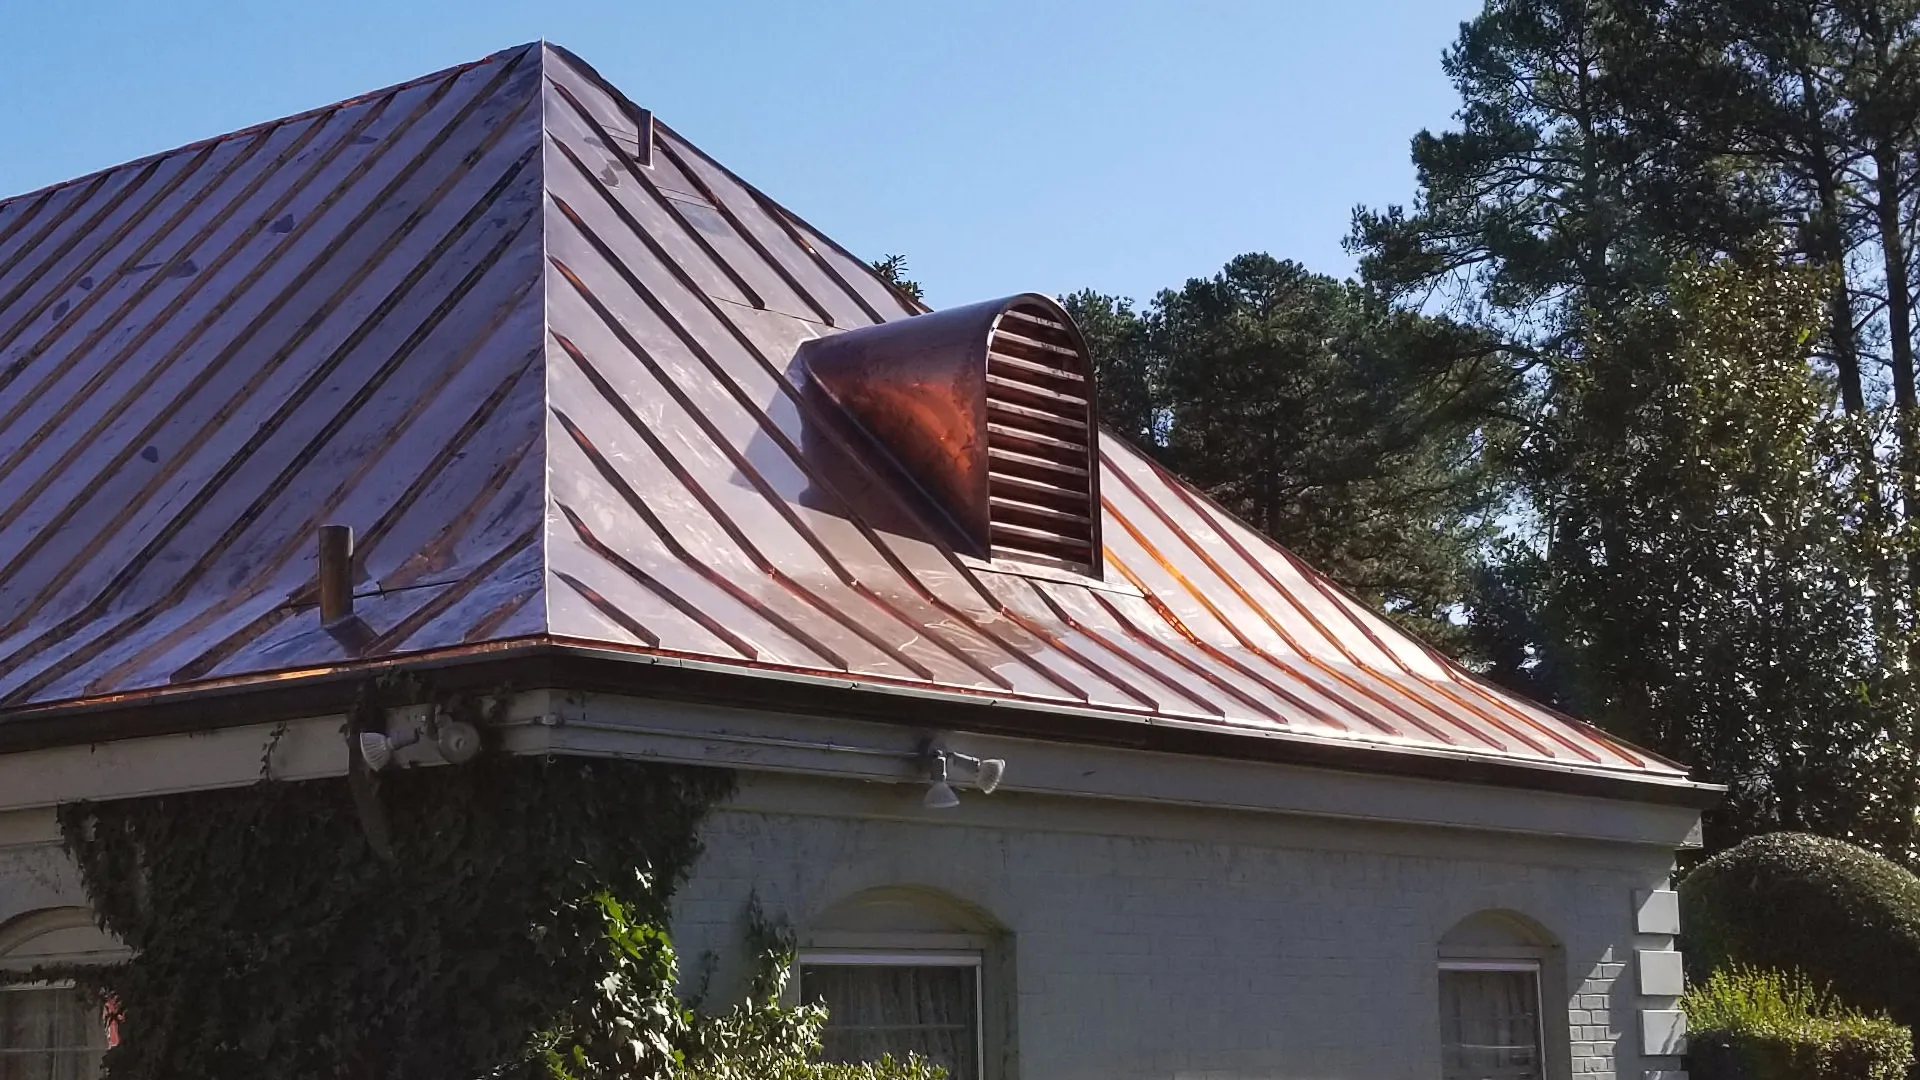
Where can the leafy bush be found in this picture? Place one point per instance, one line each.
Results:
(1847, 918)
(634, 1025)
(1749, 1024)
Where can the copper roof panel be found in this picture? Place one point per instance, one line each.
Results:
(555, 392)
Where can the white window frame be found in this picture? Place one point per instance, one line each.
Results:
(967, 958)
(1528, 967)
(47, 984)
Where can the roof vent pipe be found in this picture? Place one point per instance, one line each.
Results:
(336, 574)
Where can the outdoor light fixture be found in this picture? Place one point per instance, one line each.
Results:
(457, 741)
(987, 774)
(940, 794)
(377, 747)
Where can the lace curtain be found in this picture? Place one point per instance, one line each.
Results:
(1489, 1025)
(875, 1009)
(49, 1033)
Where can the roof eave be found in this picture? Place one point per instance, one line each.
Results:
(545, 663)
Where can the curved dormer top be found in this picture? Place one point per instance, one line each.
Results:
(990, 408)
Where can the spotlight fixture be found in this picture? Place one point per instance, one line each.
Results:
(940, 794)
(987, 774)
(377, 747)
(457, 741)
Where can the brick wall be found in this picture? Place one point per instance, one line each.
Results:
(1155, 941)
(1186, 959)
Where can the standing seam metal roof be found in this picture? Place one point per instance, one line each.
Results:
(554, 391)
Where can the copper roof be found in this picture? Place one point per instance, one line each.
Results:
(554, 390)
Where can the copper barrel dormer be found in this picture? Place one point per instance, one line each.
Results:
(990, 409)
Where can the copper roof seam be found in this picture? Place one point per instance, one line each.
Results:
(772, 211)
(1220, 573)
(1179, 625)
(299, 461)
(220, 651)
(1133, 630)
(1318, 581)
(1072, 623)
(464, 433)
(665, 535)
(32, 211)
(294, 288)
(609, 609)
(1630, 754)
(760, 484)
(1033, 627)
(98, 294)
(84, 349)
(779, 268)
(667, 205)
(408, 573)
(719, 372)
(52, 226)
(787, 390)
(865, 680)
(788, 221)
(659, 588)
(732, 528)
(491, 620)
(452, 594)
(164, 363)
(203, 663)
(273, 565)
(282, 351)
(726, 378)
(1273, 624)
(106, 244)
(1325, 588)
(1182, 581)
(448, 74)
(96, 607)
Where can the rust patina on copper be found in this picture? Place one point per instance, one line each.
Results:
(556, 380)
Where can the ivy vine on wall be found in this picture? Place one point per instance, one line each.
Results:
(505, 919)
(269, 939)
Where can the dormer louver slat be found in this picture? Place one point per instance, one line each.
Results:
(1031, 359)
(989, 408)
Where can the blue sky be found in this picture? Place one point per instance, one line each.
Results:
(1123, 145)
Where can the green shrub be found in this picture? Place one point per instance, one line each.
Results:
(1847, 918)
(1749, 1024)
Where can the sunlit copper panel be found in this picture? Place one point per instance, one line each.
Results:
(548, 372)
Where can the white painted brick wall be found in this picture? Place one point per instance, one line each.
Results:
(1304, 955)
(1174, 959)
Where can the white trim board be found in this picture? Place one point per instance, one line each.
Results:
(544, 722)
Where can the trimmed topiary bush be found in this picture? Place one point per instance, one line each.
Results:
(1845, 917)
(1749, 1024)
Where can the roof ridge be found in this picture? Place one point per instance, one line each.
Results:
(264, 125)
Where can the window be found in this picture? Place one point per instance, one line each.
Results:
(898, 1003)
(49, 1033)
(1490, 1021)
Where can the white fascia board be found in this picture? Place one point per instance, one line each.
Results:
(543, 722)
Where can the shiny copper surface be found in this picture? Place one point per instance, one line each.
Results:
(555, 392)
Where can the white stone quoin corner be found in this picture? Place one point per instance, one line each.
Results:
(1663, 1032)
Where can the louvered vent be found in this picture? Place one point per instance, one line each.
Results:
(1039, 448)
(988, 409)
